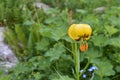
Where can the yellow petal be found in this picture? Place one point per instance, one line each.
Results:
(79, 29)
(87, 32)
(72, 33)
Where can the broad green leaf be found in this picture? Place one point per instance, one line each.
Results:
(55, 52)
(50, 20)
(111, 30)
(39, 62)
(117, 68)
(98, 78)
(37, 75)
(115, 20)
(43, 44)
(66, 57)
(100, 40)
(55, 33)
(115, 42)
(53, 76)
(93, 21)
(46, 32)
(28, 23)
(68, 39)
(93, 53)
(117, 57)
(21, 68)
(64, 78)
(59, 32)
(105, 68)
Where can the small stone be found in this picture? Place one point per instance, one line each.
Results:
(40, 5)
(1, 34)
(99, 9)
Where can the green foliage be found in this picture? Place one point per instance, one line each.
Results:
(55, 52)
(64, 78)
(104, 66)
(43, 47)
(14, 11)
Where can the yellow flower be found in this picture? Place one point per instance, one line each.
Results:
(87, 32)
(72, 32)
(79, 31)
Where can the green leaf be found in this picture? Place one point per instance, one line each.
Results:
(59, 32)
(67, 38)
(39, 62)
(21, 68)
(54, 76)
(117, 68)
(30, 40)
(111, 30)
(105, 68)
(64, 78)
(1, 72)
(55, 33)
(42, 45)
(82, 11)
(50, 20)
(100, 40)
(55, 52)
(51, 11)
(28, 23)
(46, 32)
(7, 77)
(115, 42)
(20, 34)
(116, 57)
(12, 40)
(93, 53)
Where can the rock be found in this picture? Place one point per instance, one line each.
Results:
(41, 5)
(99, 9)
(7, 57)
(7, 65)
(1, 34)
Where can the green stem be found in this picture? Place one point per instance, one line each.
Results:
(115, 77)
(77, 63)
(101, 78)
(87, 65)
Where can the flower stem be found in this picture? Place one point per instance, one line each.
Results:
(101, 77)
(77, 63)
(87, 65)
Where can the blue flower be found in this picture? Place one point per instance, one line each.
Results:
(81, 71)
(84, 76)
(92, 68)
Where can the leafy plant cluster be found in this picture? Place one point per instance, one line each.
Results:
(14, 11)
(43, 47)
